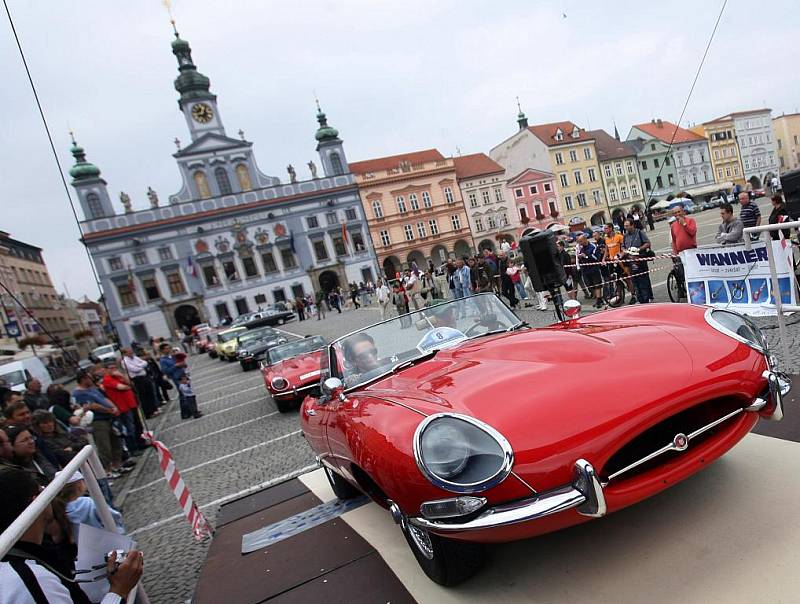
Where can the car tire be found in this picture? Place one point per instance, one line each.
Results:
(341, 488)
(281, 321)
(284, 406)
(445, 561)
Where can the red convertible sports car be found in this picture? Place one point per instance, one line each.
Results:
(292, 370)
(465, 424)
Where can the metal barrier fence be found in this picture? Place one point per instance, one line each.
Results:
(779, 306)
(89, 464)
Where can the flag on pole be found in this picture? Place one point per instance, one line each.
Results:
(345, 238)
(191, 266)
(131, 282)
(200, 526)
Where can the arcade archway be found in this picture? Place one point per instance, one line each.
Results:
(328, 281)
(187, 316)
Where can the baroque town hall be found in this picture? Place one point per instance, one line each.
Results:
(232, 239)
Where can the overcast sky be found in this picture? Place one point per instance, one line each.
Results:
(392, 77)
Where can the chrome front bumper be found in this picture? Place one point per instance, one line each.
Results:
(585, 493)
(294, 392)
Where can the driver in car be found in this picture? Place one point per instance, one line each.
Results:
(361, 357)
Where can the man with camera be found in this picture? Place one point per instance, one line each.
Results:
(26, 574)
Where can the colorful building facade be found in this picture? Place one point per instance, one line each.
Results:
(536, 197)
(756, 140)
(414, 209)
(490, 212)
(787, 140)
(620, 173)
(726, 161)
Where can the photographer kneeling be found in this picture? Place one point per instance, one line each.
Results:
(26, 576)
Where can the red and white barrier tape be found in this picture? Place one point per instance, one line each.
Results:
(625, 260)
(200, 526)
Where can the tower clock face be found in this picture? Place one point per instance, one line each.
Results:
(202, 113)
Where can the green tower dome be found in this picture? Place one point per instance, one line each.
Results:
(190, 83)
(82, 168)
(325, 132)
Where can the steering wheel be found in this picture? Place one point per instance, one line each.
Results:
(469, 331)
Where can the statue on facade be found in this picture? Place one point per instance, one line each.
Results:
(292, 173)
(313, 167)
(126, 201)
(153, 197)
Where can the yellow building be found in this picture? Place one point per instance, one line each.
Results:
(573, 160)
(726, 160)
(787, 137)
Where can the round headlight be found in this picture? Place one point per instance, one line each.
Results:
(738, 327)
(461, 454)
(279, 383)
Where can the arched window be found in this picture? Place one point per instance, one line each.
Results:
(223, 182)
(201, 182)
(94, 205)
(243, 175)
(336, 164)
(377, 209)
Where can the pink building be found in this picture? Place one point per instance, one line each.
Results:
(536, 197)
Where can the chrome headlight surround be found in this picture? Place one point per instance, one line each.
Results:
(279, 383)
(738, 327)
(449, 481)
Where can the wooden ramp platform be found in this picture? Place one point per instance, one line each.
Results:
(328, 563)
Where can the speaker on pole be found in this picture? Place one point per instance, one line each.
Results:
(541, 257)
(790, 182)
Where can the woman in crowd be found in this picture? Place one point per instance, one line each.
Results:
(160, 384)
(779, 214)
(61, 406)
(63, 445)
(27, 456)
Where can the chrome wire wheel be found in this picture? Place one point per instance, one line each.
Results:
(421, 539)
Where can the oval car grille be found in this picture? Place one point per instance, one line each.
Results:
(668, 439)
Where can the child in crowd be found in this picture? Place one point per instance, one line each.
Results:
(82, 510)
(188, 396)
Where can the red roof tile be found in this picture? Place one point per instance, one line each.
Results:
(610, 148)
(393, 161)
(547, 133)
(663, 131)
(476, 164)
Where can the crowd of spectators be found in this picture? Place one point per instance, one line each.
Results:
(41, 432)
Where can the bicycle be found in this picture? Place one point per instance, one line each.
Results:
(676, 282)
(614, 289)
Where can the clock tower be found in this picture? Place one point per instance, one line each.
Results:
(198, 105)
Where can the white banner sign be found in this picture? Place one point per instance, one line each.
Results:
(737, 278)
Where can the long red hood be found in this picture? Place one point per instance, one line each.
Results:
(301, 365)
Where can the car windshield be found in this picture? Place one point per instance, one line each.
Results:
(103, 350)
(256, 334)
(15, 378)
(297, 347)
(228, 336)
(382, 348)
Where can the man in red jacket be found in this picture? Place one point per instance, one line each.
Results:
(119, 391)
(683, 230)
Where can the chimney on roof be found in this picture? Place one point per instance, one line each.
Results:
(653, 121)
(659, 123)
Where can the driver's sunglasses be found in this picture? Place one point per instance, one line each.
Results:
(373, 352)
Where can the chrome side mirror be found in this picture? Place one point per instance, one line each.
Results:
(332, 387)
(572, 309)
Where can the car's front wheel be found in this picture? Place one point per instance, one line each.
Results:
(446, 561)
(341, 488)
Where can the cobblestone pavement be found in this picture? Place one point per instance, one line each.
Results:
(243, 444)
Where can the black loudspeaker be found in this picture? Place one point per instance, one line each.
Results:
(790, 181)
(540, 253)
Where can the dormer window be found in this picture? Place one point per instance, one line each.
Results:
(576, 133)
(559, 135)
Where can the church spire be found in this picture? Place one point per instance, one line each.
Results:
(616, 132)
(324, 132)
(191, 84)
(82, 170)
(522, 121)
